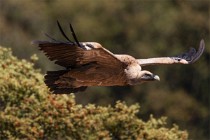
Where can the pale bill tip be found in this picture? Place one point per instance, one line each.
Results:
(157, 77)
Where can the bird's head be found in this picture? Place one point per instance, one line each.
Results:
(144, 76)
(148, 76)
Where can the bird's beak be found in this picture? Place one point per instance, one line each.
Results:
(156, 77)
(151, 77)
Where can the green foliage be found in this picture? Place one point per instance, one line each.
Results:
(29, 111)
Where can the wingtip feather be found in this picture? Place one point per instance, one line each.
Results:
(201, 47)
(200, 51)
(202, 43)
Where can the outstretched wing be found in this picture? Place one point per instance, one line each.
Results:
(70, 55)
(186, 58)
(74, 54)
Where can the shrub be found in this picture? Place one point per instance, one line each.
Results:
(29, 111)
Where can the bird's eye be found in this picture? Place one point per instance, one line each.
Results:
(147, 74)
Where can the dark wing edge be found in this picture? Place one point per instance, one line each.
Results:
(194, 56)
(185, 58)
(53, 76)
(64, 54)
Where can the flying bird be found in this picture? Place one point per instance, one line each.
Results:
(89, 64)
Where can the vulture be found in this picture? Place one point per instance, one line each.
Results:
(89, 64)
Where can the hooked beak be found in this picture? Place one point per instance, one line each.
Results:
(156, 77)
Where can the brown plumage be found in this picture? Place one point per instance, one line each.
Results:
(89, 64)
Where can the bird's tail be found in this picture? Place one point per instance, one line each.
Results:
(50, 80)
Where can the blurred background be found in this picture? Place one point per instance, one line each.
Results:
(140, 28)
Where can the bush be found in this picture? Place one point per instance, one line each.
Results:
(29, 111)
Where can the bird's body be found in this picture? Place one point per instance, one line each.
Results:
(89, 64)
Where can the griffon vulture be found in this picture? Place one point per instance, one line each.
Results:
(89, 64)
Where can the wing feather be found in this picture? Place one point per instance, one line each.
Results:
(185, 58)
(70, 55)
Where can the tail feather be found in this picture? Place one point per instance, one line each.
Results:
(53, 76)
